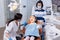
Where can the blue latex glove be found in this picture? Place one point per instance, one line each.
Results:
(10, 38)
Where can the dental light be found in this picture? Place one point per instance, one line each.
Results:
(13, 5)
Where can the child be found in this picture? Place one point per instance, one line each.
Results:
(31, 32)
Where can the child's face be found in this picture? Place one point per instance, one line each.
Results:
(32, 19)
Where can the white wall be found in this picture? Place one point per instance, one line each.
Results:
(2, 14)
(23, 10)
(31, 4)
(28, 9)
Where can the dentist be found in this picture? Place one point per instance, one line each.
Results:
(12, 26)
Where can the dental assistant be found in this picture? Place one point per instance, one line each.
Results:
(38, 10)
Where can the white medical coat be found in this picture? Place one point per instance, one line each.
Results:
(12, 28)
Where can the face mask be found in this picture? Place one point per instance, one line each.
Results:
(18, 20)
(39, 7)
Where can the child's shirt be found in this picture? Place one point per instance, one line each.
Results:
(31, 29)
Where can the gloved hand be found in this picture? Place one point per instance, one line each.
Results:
(10, 38)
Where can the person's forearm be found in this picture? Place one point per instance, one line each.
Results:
(7, 35)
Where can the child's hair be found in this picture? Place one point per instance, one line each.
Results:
(18, 16)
